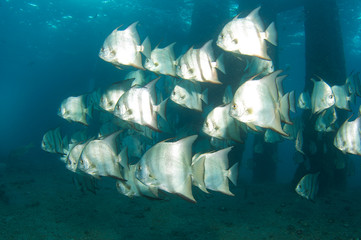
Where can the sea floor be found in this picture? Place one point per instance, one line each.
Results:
(38, 201)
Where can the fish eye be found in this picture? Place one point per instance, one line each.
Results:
(81, 161)
(234, 106)
(331, 96)
(221, 36)
(156, 64)
(110, 103)
(173, 93)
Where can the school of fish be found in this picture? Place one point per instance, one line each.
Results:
(149, 150)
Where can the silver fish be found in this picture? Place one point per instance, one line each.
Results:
(247, 36)
(221, 125)
(325, 122)
(123, 48)
(137, 105)
(188, 94)
(257, 102)
(73, 156)
(307, 187)
(131, 186)
(348, 137)
(75, 109)
(99, 158)
(200, 65)
(167, 166)
(216, 172)
(342, 98)
(162, 61)
(304, 101)
(53, 142)
(111, 95)
(353, 85)
(322, 96)
(299, 141)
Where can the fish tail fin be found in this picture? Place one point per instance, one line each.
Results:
(137, 63)
(146, 48)
(89, 110)
(161, 109)
(198, 173)
(204, 96)
(220, 63)
(123, 158)
(285, 108)
(271, 34)
(233, 174)
(291, 99)
(171, 50)
(65, 144)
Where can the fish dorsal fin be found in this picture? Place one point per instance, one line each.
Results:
(151, 88)
(132, 28)
(285, 108)
(116, 29)
(292, 101)
(207, 48)
(110, 140)
(204, 96)
(222, 157)
(256, 19)
(170, 50)
(279, 81)
(270, 82)
(237, 16)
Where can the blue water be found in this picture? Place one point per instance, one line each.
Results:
(49, 51)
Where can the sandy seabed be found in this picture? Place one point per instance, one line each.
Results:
(38, 201)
